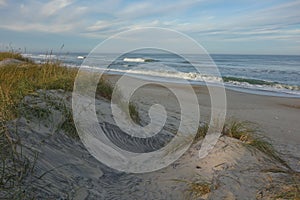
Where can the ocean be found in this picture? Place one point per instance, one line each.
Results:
(273, 75)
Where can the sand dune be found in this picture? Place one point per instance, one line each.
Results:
(231, 170)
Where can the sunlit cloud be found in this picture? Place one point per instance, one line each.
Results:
(204, 20)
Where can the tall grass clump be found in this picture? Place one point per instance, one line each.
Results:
(104, 89)
(15, 168)
(19, 80)
(14, 55)
(248, 134)
(290, 191)
(201, 132)
(241, 130)
(16, 81)
(130, 109)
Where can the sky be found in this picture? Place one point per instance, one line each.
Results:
(229, 27)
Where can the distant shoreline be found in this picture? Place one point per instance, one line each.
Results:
(264, 75)
(235, 89)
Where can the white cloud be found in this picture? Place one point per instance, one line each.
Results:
(137, 8)
(103, 18)
(3, 3)
(53, 6)
(50, 28)
(157, 8)
(99, 25)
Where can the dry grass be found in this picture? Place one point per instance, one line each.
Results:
(292, 189)
(287, 187)
(289, 192)
(104, 89)
(14, 55)
(248, 133)
(201, 132)
(15, 169)
(195, 189)
(241, 130)
(16, 82)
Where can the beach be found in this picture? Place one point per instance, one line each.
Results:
(254, 160)
(276, 117)
(150, 100)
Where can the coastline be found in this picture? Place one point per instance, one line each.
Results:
(244, 73)
(232, 170)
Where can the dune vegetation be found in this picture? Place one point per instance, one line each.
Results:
(250, 136)
(17, 80)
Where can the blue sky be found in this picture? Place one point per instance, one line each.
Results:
(237, 26)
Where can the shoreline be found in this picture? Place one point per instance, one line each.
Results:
(227, 88)
(254, 84)
(255, 91)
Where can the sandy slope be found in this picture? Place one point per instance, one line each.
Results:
(233, 171)
(278, 118)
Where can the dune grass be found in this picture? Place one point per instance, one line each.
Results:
(196, 189)
(15, 168)
(285, 188)
(248, 133)
(104, 89)
(290, 191)
(14, 55)
(134, 114)
(18, 80)
(201, 132)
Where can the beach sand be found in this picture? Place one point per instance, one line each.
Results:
(278, 118)
(232, 170)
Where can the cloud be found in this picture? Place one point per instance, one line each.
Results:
(204, 20)
(52, 7)
(50, 28)
(156, 8)
(59, 16)
(279, 22)
(99, 26)
(2, 3)
(284, 14)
